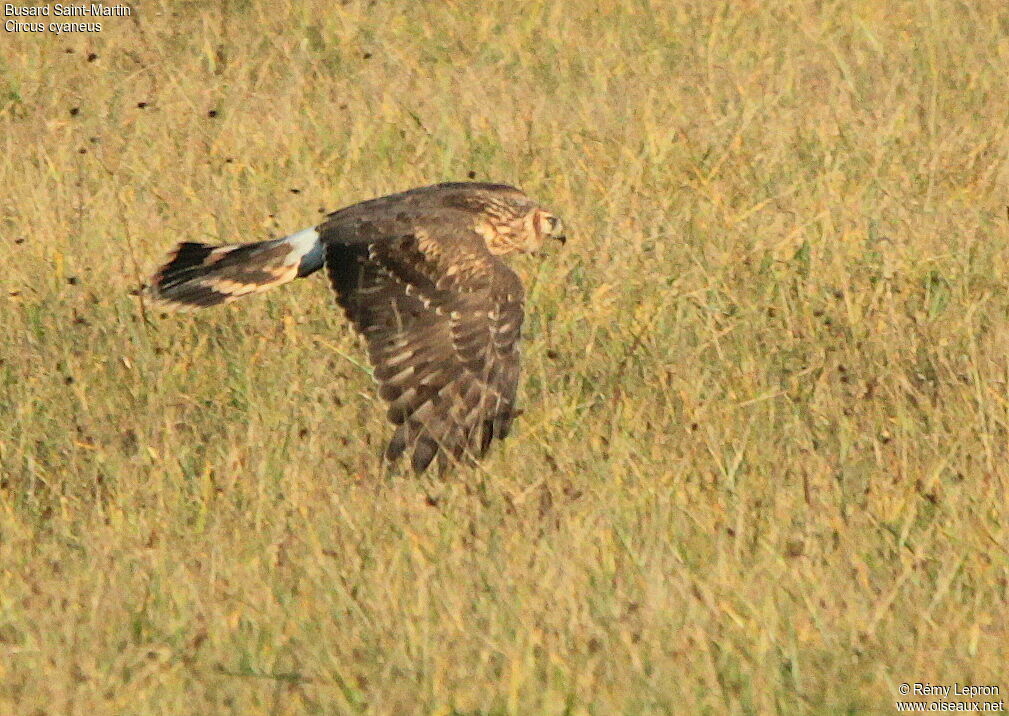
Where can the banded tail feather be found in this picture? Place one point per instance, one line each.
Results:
(199, 275)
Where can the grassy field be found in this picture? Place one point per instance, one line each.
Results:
(763, 463)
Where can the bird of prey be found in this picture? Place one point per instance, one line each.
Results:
(419, 275)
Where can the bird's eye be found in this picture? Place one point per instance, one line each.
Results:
(547, 222)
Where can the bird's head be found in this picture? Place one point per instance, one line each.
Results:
(525, 233)
(549, 226)
(507, 219)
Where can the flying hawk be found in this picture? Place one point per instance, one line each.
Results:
(419, 274)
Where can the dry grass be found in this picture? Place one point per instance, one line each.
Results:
(763, 466)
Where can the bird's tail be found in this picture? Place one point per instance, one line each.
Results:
(200, 275)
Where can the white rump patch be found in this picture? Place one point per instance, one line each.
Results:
(302, 243)
(304, 240)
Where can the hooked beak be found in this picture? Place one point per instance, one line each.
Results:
(557, 230)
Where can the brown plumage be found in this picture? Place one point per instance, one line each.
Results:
(419, 275)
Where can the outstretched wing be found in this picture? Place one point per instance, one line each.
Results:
(442, 320)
